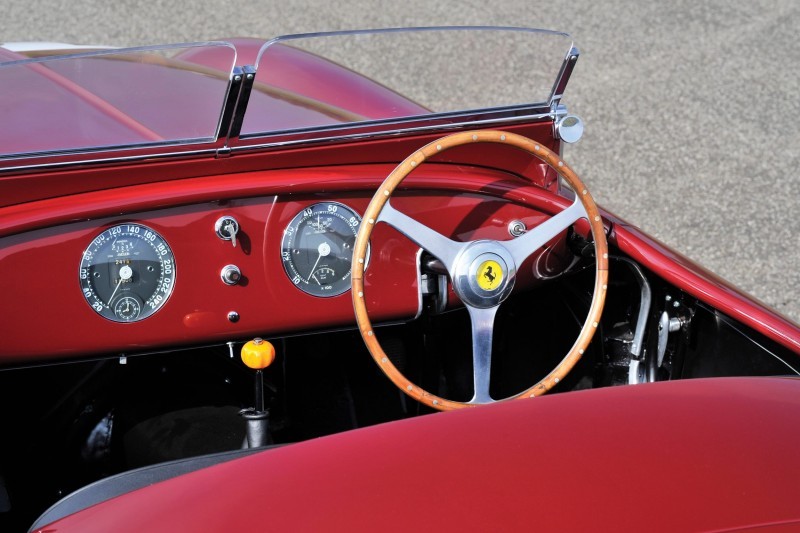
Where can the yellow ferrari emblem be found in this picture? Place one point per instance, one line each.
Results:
(489, 275)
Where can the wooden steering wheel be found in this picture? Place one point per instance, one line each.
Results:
(482, 271)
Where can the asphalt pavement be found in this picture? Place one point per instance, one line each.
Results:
(691, 107)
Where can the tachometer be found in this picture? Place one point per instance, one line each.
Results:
(127, 273)
(317, 248)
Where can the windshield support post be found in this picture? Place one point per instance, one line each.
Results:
(249, 73)
(563, 77)
(234, 89)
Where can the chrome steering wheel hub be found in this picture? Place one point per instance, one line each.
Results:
(484, 274)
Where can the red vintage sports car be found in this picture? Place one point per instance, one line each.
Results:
(213, 256)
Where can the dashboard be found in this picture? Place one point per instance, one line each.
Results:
(215, 271)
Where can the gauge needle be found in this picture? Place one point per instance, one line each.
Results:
(115, 290)
(324, 249)
(125, 273)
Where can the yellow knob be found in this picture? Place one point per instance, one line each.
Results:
(258, 354)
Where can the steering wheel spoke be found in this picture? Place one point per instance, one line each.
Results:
(482, 335)
(444, 249)
(522, 247)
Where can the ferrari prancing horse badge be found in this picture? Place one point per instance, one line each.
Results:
(489, 275)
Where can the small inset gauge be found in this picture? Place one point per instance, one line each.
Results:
(317, 248)
(127, 308)
(127, 273)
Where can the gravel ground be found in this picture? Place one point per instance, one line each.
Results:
(691, 106)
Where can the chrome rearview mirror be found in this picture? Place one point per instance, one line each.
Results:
(570, 129)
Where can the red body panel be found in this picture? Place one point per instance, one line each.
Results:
(19, 189)
(697, 455)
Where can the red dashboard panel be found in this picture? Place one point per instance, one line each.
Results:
(41, 266)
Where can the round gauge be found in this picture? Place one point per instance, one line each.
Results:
(127, 273)
(317, 248)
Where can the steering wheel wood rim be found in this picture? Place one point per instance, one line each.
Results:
(380, 201)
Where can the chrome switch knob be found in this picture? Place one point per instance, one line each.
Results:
(226, 228)
(230, 274)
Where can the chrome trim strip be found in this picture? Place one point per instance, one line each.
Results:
(105, 149)
(107, 160)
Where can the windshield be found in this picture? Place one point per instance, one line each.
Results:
(301, 88)
(315, 80)
(113, 98)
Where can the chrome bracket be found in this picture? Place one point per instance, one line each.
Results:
(637, 372)
(559, 112)
(666, 325)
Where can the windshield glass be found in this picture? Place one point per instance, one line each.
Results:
(323, 80)
(113, 98)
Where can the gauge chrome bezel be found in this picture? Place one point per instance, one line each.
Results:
(149, 302)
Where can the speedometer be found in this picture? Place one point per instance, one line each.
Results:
(317, 248)
(127, 273)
